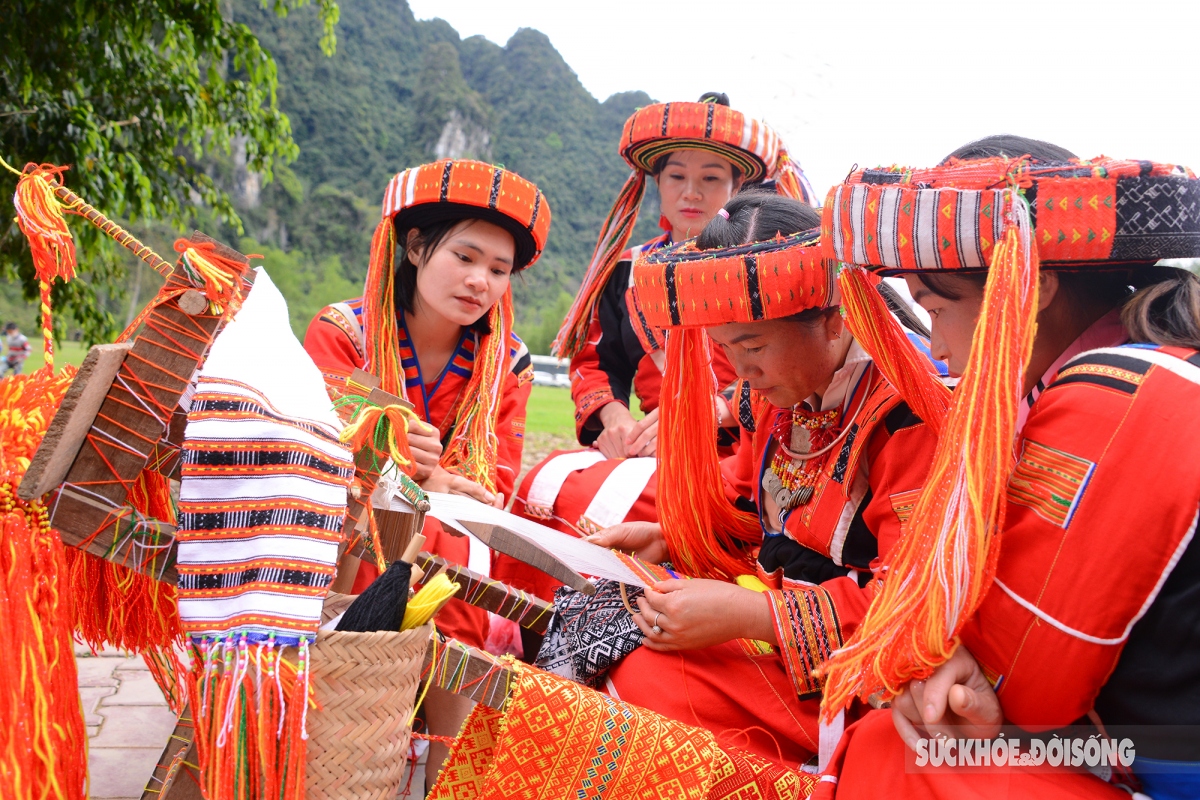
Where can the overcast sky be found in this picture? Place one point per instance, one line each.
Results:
(858, 81)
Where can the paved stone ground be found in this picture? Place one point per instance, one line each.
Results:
(128, 723)
(127, 719)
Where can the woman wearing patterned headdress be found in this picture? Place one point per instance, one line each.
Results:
(435, 325)
(699, 155)
(818, 488)
(1073, 431)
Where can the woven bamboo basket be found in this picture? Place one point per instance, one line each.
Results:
(365, 685)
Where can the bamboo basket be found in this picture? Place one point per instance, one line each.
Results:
(365, 685)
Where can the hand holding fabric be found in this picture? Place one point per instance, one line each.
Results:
(642, 439)
(642, 539)
(701, 613)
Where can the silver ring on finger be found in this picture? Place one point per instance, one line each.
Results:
(655, 629)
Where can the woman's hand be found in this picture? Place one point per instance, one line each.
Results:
(956, 695)
(690, 614)
(642, 539)
(642, 439)
(426, 448)
(617, 422)
(441, 480)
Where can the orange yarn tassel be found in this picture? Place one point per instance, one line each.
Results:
(880, 334)
(475, 449)
(250, 720)
(379, 311)
(40, 218)
(614, 236)
(42, 736)
(219, 277)
(706, 536)
(941, 569)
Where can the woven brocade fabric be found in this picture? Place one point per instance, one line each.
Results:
(557, 740)
(263, 493)
(589, 634)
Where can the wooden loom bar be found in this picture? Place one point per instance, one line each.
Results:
(122, 237)
(89, 509)
(528, 611)
(469, 672)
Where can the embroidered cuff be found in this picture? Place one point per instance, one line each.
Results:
(806, 623)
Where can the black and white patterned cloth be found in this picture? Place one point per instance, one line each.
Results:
(589, 635)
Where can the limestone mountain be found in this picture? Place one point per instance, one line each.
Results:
(399, 92)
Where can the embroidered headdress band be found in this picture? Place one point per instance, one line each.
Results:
(683, 286)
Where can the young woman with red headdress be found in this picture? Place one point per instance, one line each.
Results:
(699, 156)
(435, 325)
(817, 490)
(1067, 485)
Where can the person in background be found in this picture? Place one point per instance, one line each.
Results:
(18, 349)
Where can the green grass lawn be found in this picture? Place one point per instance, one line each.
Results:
(64, 353)
(550, 410)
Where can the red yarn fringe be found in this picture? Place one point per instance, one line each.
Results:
(42, 736)
(706, 536)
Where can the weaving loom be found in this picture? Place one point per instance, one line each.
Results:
(118, 418)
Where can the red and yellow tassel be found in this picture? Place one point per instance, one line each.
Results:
(879, 332)
(941, 569)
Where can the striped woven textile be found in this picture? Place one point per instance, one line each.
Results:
(263, 492)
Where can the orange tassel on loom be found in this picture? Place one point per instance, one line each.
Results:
(42, 735)
(40, 218)
(942, 567)
(880, 334)
(706, 536)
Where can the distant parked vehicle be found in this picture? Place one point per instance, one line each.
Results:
(541, 378)
(562, 379)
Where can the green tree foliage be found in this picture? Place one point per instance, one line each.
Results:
(131, 94)
(539, 337)
(383, 102)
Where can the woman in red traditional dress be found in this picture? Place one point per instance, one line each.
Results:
(699, 156)
(1091, 615)
(819, 487)
(435, 325)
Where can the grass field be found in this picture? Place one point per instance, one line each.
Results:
(550, 410)
(64, 353)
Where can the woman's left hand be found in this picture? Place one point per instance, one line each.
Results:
(701, 613)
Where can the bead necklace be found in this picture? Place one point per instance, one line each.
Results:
(804, 437)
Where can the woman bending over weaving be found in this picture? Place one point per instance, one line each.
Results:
(435, 325)
(699, 156)
(819, 486)
(1081, 447)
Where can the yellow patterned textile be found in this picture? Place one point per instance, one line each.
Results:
(558, 740)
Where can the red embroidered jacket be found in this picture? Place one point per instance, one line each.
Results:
(1096, 601)
(823, 572)
(335, 342)
(615, 358)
